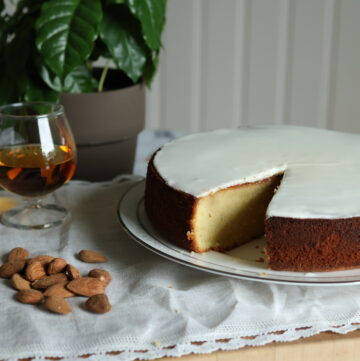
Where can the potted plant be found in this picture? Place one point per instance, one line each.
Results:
(47, 52)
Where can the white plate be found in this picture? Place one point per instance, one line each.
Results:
(244, 262)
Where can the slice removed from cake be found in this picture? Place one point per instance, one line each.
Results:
(232, 216)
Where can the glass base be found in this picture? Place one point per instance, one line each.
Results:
(35, 216)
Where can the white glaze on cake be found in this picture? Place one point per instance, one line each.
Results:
(321, 167)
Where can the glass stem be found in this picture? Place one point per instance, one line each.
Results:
(33, 203)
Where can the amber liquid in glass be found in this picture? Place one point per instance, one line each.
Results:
(29, 172)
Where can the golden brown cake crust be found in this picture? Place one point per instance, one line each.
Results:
(311, 245)
(168, 209)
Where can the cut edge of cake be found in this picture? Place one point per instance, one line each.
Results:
(232, 216)
(218, 221)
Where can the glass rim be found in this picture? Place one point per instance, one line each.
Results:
(56, 110)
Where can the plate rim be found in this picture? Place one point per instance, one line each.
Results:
(167, 256)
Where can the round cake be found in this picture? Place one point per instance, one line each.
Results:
(300, 186)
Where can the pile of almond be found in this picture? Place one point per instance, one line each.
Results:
(48, 280)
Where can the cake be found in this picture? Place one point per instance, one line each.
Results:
(300, 186)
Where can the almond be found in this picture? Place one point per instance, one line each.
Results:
(48, 281)
(43, 259)
(91, 257)
(58, 290)
(98, 304)
(17, 254)
(86, 286)
(19, 283)
(100, 274)
(29, 296)
(34, 271)
(8, 269)
(58, 305)
(72, 272)
(19, 265)
(56, 265)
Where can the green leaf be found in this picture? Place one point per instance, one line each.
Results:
(37, 90)
(100, 50)
(49, 78)
(9, 23)
(66, 31)
(151, 14)
(24, 10)
(119, 34)
(46, 75)
(150, 68)
(79, 81)
(14, 59)
(7, 88)
(109, 2)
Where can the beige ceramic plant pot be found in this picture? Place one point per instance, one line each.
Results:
(105, 127)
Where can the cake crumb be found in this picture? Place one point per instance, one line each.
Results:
(261, 260)
(178, 311)
(170, 286)
(263, 274)
(157, 343)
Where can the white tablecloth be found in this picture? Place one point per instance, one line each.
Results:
(159, 308)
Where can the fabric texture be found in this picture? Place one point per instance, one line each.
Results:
(160, 308)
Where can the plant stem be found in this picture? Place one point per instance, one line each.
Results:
(103, 76)
(89, 65)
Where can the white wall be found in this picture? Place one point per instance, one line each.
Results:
(232, 62)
